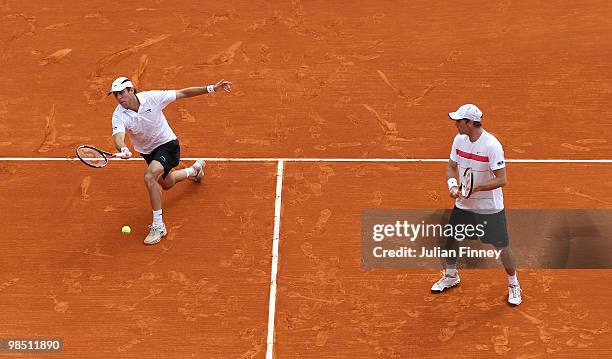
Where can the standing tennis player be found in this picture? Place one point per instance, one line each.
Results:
(479, 150)
(140, 115)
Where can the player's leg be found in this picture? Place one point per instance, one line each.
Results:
(169, 156)
(195, 172)
(451, 275)
(452, 246)
(497, 233)
(507, 259)
(514, 288)
(171, 179)
(151, 177)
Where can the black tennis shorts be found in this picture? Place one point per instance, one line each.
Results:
(168, 154)
(493, 225)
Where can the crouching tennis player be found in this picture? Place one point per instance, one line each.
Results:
(140, 115)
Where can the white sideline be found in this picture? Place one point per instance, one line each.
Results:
(287, 159)
(273, 272)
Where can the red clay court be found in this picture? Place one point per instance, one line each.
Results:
(336, 107)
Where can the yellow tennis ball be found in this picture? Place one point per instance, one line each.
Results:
(126, 230)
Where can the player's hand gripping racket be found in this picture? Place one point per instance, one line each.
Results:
(95, 157)
(467, 183)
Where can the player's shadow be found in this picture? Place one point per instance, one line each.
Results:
(539, 239)
(561, 238)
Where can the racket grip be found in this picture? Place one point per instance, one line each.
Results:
(125, 153)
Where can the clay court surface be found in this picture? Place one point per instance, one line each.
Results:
(312, 80)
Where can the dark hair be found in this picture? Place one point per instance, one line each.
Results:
(128, 80)
(476, 123)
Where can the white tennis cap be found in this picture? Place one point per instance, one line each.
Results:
(467, 112)
(120, 83)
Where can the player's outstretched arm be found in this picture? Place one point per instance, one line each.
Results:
(197, 91)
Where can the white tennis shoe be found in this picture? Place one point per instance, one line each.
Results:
(198, 167)
(445, 282)
(155, 234)
(514, 294)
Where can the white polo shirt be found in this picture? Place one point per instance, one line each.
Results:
(148, 128)
(483, 156)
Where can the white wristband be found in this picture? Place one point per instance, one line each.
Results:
(210, 88)
(452, 182)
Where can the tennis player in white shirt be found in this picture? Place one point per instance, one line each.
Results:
(479, 150)
(140, 115)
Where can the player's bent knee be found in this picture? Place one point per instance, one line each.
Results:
(150, 177)
(166, 183)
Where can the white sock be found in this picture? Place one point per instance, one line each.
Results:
(513, 280)
(157, 218)
(451, 269)
(190, 171)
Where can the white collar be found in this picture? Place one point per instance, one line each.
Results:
(141, 99)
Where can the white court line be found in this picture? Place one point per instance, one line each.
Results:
(277, 217)
(276, 159)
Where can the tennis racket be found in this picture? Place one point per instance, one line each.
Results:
(93, 157)
(467, 183)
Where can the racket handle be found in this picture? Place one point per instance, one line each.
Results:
(125, 153)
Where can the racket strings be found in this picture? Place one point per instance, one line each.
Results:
(467, 182)
(92, 157)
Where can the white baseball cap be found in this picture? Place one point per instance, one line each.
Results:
(467, 112)
(120, 83)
